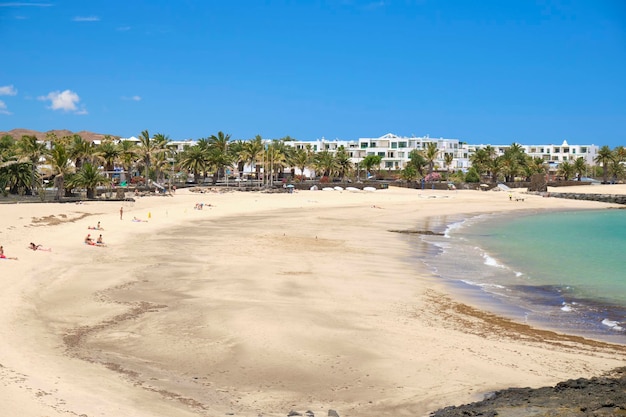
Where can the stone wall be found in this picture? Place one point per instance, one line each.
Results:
(605, 198)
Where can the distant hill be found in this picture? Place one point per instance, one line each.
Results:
(88, 136)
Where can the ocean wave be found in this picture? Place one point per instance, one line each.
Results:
(454, 226)
(490, 261)
(482, 284)
(613, 325)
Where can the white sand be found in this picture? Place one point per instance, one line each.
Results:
(274, 302)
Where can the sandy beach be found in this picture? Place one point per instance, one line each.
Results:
(260, 304)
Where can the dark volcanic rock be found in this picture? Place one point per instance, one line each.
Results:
(602, 396)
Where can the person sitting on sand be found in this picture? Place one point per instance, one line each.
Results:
(3, 256)
(100, 241)
(89, 240)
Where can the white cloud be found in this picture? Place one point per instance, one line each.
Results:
(24, 4)
(8, 90)
(86, 19)
(3, 108)
(132, 98)
(66, 100)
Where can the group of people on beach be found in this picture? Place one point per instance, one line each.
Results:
(98, 242)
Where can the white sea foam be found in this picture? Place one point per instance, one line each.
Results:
(566, 307)
(614, 325)
(454, 226)
(491, 261)
(482, 285)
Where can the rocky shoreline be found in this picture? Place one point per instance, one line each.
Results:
(598, 396)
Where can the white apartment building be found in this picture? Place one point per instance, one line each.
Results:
(394, 150)
(553, 155)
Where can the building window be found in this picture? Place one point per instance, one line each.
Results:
(363, 145)
(394, 145)
(372, 144)
(381, 154)
(403, 144)
(390, 154)
(389, 164)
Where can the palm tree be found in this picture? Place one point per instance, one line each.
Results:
(252, 153)
(566, 170)
(59, 160)
(127, 155)
(417, 161)
(409, 173)
(512, 161)
(161, 155)
(617, 169)
(533, 166)
(275, 159)
(219, 156)
(30, 150)
(195, 159)
(17, 176)
(88, 177)
(236, 150)
(81, 151)
(343, 163)
(430, 153)
(326, 163)
(604, 157)
(481, 160)
(109, 152)
(148, 147)
(286, 155)
(448, 158)
(371, 161)
(7, 147)
(302, 157)
(580, 167)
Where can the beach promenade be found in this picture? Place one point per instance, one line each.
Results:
(260, 304)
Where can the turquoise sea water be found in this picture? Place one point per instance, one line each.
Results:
(561, 270)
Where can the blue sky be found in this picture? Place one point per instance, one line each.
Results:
(484, 71)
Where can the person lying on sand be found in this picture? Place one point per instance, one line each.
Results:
(38, 247)
(3, 256)
(135, 219)
(98, 227)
